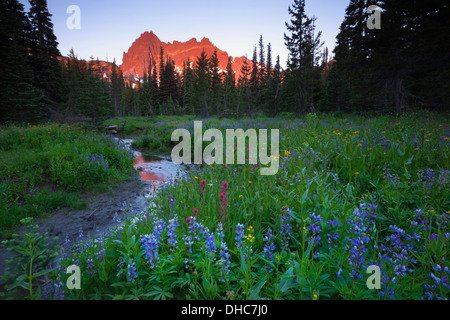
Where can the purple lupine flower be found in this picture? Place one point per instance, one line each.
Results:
(225, 259)
(240, 235)
(196, 229)
(360, 224)
(211, 245)
(131, 272)
(285, 230)
(332, 223)
(269, 248)
(171, 233)
(315, 217)
(219, 231)
(440, 279)
(188, 242)
(150, 243)
(314, 228)
(59, 292)
(429, 178)
(90, 268)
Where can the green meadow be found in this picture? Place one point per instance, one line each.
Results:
(352, 195)
(44, 168)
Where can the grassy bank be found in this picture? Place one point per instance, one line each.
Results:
(350, 193)
(44, 168)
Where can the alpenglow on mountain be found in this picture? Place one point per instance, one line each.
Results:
(147, 49)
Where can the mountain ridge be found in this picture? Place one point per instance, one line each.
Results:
(146, 50)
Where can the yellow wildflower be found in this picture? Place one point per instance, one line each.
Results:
(315, 295)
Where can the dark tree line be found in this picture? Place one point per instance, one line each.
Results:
(403, 65)
(37, 84)
(29, 69)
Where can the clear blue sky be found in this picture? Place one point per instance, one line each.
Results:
(108, 28)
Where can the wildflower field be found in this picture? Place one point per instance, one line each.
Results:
(351, 193)
(45, 167)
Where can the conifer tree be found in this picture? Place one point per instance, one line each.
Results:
(202, 81)
(162, 94)
(216, 81)
(409, 55)
(254, 84)
(276, 81)
(170, 79)
(145, 95)
(272, 88)
(117, 88)
(44, 52)
(262, 61)
(269, 65)
(229, 84)
(303, 45)
(427, 72)
(154, 84)
(188, 87)
(243, 86)
(352, 56)
(20, 100)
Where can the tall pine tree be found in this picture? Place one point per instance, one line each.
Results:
(229, 84)
(202, 83)
(216, 82)
(352, 54)
(243, 87)
(44, 52)
(303, 45)
(20, 100)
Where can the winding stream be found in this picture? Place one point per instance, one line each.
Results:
(98, 217)
(154, 171)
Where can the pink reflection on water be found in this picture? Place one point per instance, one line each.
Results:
(150, 171)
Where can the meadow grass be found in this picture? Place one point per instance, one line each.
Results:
(46, 167)
(350, 193)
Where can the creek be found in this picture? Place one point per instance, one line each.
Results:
(152, 172)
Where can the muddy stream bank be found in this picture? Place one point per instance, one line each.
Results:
(151, 173)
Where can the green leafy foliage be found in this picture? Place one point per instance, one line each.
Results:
(30, 263)
(343, 200)
(43, 168)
